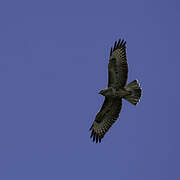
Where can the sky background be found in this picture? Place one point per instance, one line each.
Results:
(53, 62)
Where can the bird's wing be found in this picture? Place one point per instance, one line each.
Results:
(105, 118)
(118, 66)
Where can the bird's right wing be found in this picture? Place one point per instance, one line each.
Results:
(105, 118)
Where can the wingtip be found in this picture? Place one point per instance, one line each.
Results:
(91, 128)
(92, 133)
(118, 42)
(111, 51)
(117, 45)
(121, 44)
(94, 136)
(97, 137)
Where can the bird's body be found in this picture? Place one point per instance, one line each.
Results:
(116, 91)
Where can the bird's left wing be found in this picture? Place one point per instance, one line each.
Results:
(118, 66)
(105, 118)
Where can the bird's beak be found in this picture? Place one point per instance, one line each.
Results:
(100, 92)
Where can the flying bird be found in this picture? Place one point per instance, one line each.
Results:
(116, 91)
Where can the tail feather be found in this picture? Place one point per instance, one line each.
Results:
(136, 91)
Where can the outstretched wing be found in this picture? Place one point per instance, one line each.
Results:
(118, 67)
(105, 118)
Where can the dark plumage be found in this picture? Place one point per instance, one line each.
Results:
(117, 89)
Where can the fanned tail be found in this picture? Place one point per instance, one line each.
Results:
(136, 91)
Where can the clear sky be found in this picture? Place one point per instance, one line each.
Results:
(53, 62)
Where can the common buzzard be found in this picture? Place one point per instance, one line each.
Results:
(116, 90)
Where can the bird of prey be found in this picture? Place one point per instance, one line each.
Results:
(116, 91)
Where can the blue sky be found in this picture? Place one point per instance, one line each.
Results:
(53, 62)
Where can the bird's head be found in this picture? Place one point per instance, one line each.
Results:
(106, 92)
(101, 92)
